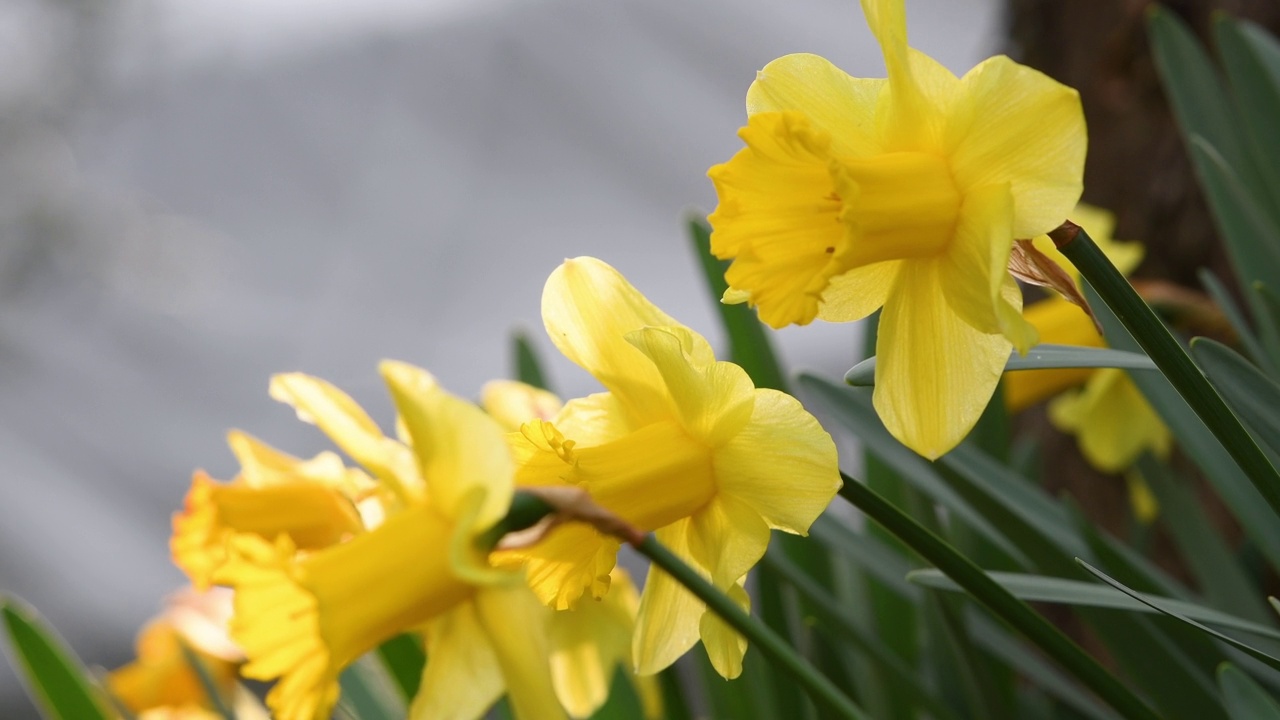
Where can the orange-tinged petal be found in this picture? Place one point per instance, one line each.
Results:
(782, 464)
(458, 447)
(462, 677)
(714, 400)
(934, 372)
(667, 621)
(588, 308)
(1024, 129)
(834, 102)
(516, 624)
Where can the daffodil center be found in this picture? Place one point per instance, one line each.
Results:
(899, 205)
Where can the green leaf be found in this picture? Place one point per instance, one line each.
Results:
(1244, 698)
(1253, 345)
(528, 367)
(207, 683)
(56, 679)
(623, 702)
(1251, 59)
(1239, 495)
(1177, 610)
(1218, 573)
(749, 346)
(368, 693)
(404, 659)
(1061, 591)
(1252, 395)
(1250, 234)
(853, 409)
(1040, 357)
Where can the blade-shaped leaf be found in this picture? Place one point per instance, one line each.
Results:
(56, 679)
(528, 367)
(1040, 357)
(404, 659)
(1061, 591)
(1252, 395)
(1244, 698)
(1251, 59)
(1253, 345)
(368, 693)
(1177, 611)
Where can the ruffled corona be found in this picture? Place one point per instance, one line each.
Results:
(682, 445)
(907, 193)
(313, 516)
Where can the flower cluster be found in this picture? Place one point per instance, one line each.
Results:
(850, 195)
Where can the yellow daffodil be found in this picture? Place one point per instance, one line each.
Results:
(681, 444)
(302, 619)
(513, 403)
(161, 684)
(1111, 419)
(907, 194)
(589, 644)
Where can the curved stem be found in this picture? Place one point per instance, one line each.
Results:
(1170, 358)
(999, 601)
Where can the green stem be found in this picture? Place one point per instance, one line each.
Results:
(999, 601)
(822, 690)
(1170, 358)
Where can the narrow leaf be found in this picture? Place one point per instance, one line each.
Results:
(528, 367)
(1244, 698)
(56, 679)
(1040, 357)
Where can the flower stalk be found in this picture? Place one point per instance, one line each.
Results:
(529, 509)
(1170, 357)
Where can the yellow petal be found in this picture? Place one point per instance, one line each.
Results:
(517, 628)
(974, 274)
(727, 537)
(832, 100)
(462, 678)
(782, 464)
(513, 404)
(714, 400)
(1026, 130)
(778, 217)
(1111, 419)
(261, 465)
(350, 428)
(588, 308)
(667, 621)
(594, 420)
(725, 646)
(1061, 323)
(458, 447)
(934, 372)
(857, 293)
(572, 560)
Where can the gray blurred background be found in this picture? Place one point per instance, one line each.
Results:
(195, 194)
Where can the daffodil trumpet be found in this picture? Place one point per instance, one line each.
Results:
(1169, 356)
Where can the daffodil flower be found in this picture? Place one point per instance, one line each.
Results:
(681, 444)
(1111, 419)
(907, 193)
(302, 619)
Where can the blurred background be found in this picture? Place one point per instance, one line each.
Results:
(194, 195)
